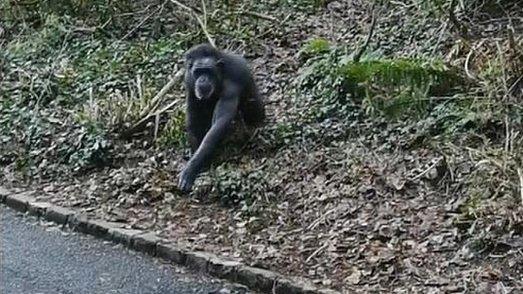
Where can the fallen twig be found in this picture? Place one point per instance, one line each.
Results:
(256, 14)
(317, 251)
(156, 125)
(512, 87)
(315, 223)
(92, 29)
(134, 12)
(520, 174)
(467, 60)
(426, 170)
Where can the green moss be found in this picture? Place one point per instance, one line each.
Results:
(392, 87)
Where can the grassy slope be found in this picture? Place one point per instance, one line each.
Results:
(360, 180)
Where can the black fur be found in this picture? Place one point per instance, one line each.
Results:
(226, 90)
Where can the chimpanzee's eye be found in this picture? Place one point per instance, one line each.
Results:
(202, 71)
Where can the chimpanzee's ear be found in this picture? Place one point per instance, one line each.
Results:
(188, 61)
(188, 58)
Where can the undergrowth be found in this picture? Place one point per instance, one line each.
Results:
(56, 76)
(88, 65)
(335, 85)
(414, 151)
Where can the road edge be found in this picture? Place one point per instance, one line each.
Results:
(147, 242)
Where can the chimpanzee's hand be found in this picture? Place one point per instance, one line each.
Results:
(186, 180)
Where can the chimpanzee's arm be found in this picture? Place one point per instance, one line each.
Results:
(224, 113)
(198, 121)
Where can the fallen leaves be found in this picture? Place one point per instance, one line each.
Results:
(364, 206)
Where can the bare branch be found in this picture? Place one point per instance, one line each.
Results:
(153, 105)
(462, 29)
(204, 7)
(200, 22)
(92, 29)
(159, 10)
(520, 174)
(151, 112)
(358, 55)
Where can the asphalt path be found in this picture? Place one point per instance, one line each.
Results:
(39, 257)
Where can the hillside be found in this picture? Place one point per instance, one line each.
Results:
(399, 170)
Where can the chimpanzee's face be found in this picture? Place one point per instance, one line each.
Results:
(206, 74)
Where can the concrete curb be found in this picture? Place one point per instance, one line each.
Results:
(255, 278)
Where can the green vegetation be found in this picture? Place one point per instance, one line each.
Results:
(389, 86)
(415, 150)
(241, 185)
(173, 133)
(315, 47)
(95, 86)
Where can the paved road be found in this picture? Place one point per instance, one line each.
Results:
(40, 258)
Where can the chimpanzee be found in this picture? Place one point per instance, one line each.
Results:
(219, 88)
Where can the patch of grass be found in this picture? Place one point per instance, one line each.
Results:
(118, 79)
(116, 110)
(112, 66)
(32, 64)
(315, 47)
(40, 43)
